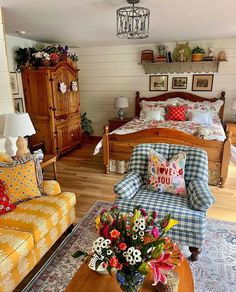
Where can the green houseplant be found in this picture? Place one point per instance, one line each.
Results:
(86, 126)
(197, 53)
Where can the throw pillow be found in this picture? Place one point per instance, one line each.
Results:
(150, 115)
(5, 158)
(5, 204)
(22, 179)
(201, 117)
(167, 176)
(176, 113)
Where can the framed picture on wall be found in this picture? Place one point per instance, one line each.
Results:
(179, 82)
(14, 83)
(158, 83)
(18, 105)
(202, 82)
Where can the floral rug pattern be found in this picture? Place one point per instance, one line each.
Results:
(215, 271)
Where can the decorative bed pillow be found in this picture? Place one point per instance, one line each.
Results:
(5, 204)
(22, 179)
(201, 117)
(156, 106)
(167, 176)
(214, 106)
(176, 113)
(157, 115)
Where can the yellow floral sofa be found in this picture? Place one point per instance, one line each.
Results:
(29, 231)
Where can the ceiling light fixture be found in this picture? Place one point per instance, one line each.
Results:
(133, 21)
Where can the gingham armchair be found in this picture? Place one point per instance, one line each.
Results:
(189, 210)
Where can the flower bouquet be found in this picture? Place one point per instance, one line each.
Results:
(132, 244)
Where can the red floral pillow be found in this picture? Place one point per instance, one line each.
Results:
(5, 204)
(176, 113)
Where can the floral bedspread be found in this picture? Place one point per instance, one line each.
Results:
(216, 131)
(213, 132)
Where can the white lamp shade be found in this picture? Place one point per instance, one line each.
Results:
(18, 125)
(233, 107)
(121, 102)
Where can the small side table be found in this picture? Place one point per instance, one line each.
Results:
(47, 160)
(231, 127)
(115, 123)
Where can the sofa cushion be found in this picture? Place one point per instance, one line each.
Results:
(39, 215)
(14, 245)
(5, 204)
(22, 179)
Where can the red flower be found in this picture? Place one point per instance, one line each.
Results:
(115, 233)
(104, 231)
(122, 246)
(104, 265)
(54, 56)
(143, 212)
(119, 266)
(154, 215)
(181, 171)
(113, 262)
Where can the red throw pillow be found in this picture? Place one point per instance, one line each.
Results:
(5, 204)
(176, 113)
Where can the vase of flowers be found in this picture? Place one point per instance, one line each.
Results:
(131, 244)
(43, 57)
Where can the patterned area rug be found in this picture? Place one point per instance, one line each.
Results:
(215, 271)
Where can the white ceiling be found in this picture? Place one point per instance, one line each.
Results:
(93, 22)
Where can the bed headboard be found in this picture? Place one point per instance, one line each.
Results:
(184, 95)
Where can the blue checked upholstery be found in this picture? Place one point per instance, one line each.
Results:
(189, 210)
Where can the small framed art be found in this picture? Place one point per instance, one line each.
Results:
(18, 105)
(202, 82)
(179, 82)
(14, 83)
(158, 83)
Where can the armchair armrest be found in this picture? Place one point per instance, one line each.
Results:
(51, 187)
(128, 186)
(200, 196)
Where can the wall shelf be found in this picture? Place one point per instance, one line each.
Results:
(181, 67)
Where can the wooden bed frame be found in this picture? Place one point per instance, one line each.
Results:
(119, 147)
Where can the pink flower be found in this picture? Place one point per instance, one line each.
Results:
(104, 265)
(155, 232)
(154, 215)
(143, 212)
(161, 263)
(104, 231)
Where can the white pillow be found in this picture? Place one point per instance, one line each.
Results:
(214, 106)
(201, 117)
(149, 115)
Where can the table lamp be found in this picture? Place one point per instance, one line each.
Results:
(233, 107)
(19, 125)
(121, 102)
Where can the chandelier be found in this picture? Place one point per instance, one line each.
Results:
(133, 21)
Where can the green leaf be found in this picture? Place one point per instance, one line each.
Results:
(144, 268)
(157, 251)
(79, 253)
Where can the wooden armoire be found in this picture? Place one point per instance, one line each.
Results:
(53, 103)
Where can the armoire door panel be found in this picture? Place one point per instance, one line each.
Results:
(73, 96)
(60, 99)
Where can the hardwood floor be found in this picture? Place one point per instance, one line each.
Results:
(82, 173)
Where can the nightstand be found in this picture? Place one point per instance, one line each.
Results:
(115, 123)
(231, 127)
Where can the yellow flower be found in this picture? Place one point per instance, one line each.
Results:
(171, 223)
(137, 214)
(97, 221)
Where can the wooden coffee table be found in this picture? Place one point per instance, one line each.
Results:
(86, 280)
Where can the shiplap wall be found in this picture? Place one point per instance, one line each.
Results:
(6, 105)
(107, 72)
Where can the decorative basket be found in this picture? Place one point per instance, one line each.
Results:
(45, 63)
(54, 61)
(197, 57)
(63, 57)
(171, 285)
